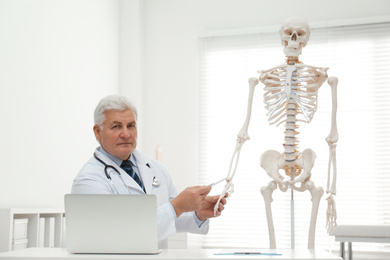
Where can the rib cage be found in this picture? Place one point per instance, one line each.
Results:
(303, 91)
(290, 92)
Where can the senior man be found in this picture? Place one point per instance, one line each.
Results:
(116, 130)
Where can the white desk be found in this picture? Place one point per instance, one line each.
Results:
(169, 254)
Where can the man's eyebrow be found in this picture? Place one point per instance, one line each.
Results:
(116, 123)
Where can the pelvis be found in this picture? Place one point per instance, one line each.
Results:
(298, 171)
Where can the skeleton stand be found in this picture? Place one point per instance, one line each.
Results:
(292, 212)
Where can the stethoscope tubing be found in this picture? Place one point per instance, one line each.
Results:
(106, 166)
(156, 182)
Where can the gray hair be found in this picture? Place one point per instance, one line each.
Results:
(112, 102)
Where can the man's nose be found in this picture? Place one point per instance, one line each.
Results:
(125, 133)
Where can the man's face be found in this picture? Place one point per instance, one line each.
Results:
(119, 134)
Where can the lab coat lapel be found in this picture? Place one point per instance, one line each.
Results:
(145, 171)
(130, 182)
(127, 179)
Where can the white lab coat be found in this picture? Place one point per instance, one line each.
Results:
(92, 180)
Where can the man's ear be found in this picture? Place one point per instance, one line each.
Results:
(96, 130)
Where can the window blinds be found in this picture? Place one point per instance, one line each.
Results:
(360, 57)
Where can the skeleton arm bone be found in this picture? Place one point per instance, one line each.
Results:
(333, 137)
(229, 186)
(243, 134)
(242, 137)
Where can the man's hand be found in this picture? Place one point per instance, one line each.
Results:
(207, 209)
(190, 199)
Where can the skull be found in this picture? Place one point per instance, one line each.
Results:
(294, 34)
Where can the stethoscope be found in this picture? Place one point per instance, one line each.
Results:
(156, 181)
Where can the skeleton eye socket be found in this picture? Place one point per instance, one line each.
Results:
(301, 33)
(288, 32)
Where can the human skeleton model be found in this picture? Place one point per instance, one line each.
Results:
(291, 92)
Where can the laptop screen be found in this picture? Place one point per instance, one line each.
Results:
(107, 223)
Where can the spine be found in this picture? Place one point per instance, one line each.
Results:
(290, 145)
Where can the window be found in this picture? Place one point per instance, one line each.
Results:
(360, 57)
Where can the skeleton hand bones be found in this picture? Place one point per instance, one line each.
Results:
(226, 193)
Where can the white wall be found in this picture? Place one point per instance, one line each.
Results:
(131, 66)
(57, 59)
(172, 30)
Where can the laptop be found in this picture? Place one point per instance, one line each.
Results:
(111, 224)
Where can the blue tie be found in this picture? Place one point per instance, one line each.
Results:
(126, 165)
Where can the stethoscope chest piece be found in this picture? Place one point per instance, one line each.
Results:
(156, 182)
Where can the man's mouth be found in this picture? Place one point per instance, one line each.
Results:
(124, 144)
